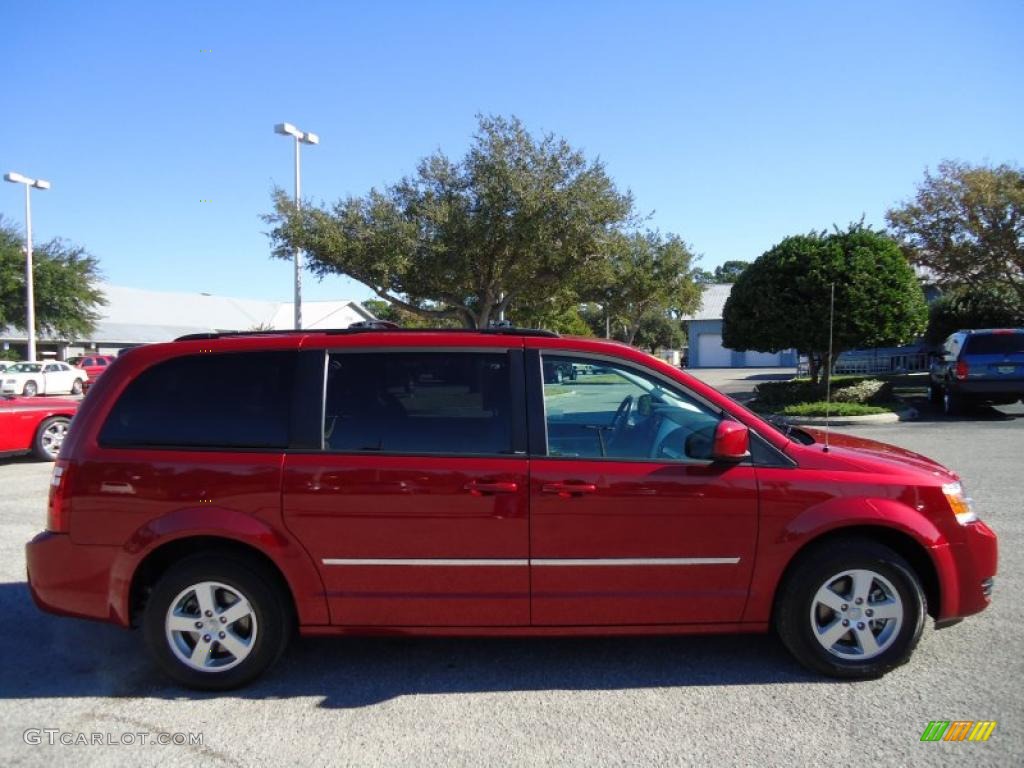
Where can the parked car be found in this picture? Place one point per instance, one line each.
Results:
(94, 365)
(34, 425)
(980, 366)
(43, 378)
(557, 372)
(431, 482)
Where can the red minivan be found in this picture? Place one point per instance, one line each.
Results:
(221, 491)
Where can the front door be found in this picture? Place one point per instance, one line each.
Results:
(632, 522)
(416, 509)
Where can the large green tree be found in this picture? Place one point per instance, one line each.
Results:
(966, 225)
(646, 273)
(517, 220)
(991, 305)
(782, 300)
(65, 276)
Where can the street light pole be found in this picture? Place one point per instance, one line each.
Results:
(287, 129)
(30, 289)
(30, 294)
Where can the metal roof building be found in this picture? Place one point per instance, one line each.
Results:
(141, 316)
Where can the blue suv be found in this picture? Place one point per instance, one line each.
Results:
(981, 366)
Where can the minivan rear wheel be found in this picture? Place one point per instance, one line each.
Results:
(216, 622)
(852, 609)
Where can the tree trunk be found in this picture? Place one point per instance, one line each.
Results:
(813, 367)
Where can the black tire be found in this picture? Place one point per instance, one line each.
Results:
(46, 445)
(30, 389)
(266, 598)
(795, 602)
(935, 395)
(77, 387)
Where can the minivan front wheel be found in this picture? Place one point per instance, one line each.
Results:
(852, 609)
(215, 623)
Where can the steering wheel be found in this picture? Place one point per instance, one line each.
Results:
(620, 419)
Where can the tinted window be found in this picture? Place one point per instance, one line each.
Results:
(419, 402)
(606, 411)
(206, 401)
(994, 344)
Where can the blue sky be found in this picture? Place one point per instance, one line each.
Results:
(734, 124)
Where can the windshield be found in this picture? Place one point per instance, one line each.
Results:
(25, 368)
(994, 344)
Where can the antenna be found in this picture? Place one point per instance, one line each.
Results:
(828, 361)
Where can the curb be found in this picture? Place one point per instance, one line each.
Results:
(873, 418)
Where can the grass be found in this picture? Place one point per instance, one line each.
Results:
(552, 390)
(598, 378)
(835, 409)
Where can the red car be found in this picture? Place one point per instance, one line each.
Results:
(94, 365)
(377, 481)
(34, 424)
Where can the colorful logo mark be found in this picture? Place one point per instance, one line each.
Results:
(958, 730)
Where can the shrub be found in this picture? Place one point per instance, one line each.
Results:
(834, 409)
(845, 389)
(867, 392)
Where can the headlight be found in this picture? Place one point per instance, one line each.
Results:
(960, 503)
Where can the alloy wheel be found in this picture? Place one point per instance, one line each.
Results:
(210, 627)
(856, 615)
(52, 438)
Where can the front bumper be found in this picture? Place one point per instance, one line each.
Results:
(70, 579)
(974, 560)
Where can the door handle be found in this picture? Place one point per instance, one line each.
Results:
(568, 489)
(477, 488)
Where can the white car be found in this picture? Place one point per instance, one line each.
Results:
(42, 378)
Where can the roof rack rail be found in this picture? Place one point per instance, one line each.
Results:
(372, 327)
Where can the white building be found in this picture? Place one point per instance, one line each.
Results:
(704, 331)
(140, 316)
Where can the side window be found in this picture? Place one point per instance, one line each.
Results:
(599, 410)
(101, 361)
(419, 402)
(51, 368)
(232, 400)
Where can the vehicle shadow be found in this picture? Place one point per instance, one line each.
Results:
(930, 413)
(51, 657)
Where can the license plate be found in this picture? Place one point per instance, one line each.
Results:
(1006, 368)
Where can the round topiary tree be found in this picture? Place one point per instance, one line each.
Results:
(782, 300)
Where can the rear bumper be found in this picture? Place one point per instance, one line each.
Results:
(1006, 389)
(70, 579)
(974, 560)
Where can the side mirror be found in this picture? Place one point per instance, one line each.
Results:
(732, 442)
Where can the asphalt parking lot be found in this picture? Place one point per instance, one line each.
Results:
(695, 700)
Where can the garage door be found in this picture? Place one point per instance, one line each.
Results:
(761, 359)
(711, 353)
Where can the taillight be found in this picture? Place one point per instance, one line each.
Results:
(58, 507)
(961, 370)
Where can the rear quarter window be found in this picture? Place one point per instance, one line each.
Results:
(232, 400)
(994, 344)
